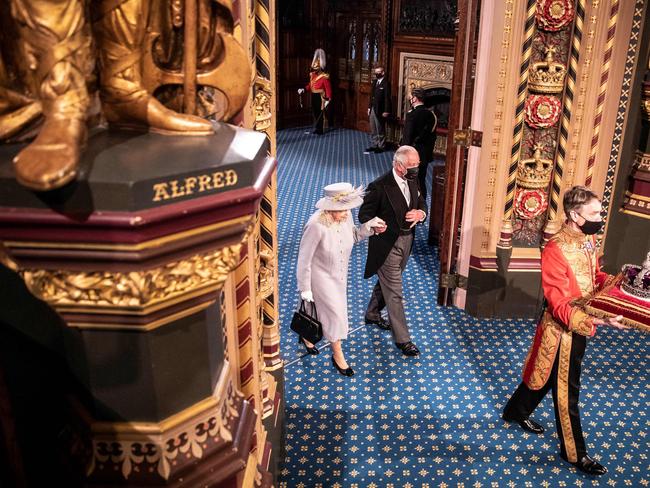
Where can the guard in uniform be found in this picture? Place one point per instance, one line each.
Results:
(570, 275)
(321, 90)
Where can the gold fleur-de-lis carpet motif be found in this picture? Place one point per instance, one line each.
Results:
(434, 420)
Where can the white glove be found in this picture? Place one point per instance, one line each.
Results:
(327, 102)
(307, 296)
(301, 91)
(367, 229)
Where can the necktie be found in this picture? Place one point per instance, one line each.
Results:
(406, 192)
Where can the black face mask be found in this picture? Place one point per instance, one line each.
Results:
(411, 174)
(379, 76)
(591, 227)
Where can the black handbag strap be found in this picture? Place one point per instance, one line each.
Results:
(314, 312)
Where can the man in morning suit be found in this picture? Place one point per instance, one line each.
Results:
(419, 127)
(394, 198)
(570, 274)
(379, 110)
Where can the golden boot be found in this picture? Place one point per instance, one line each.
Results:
(56, 43)
(126, 103)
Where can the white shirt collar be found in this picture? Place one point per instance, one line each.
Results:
(379, 80)
(400, 181)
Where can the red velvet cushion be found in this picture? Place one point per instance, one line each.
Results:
(612, 301)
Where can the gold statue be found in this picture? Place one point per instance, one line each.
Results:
(180, 50)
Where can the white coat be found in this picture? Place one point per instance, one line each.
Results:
(323, 258)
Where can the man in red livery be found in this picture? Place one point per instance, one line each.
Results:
(570, 274)
(321, 90)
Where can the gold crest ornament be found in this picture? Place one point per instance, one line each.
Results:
(547, 76)
(534, 172)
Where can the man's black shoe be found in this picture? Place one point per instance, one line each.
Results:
(590, 466)
(408, 348)
(531, 426)
(370, 149)
(528, 425)
(380, 149)
(381, 323)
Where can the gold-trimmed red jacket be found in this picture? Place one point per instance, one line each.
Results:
(570, 273)
(319, 82)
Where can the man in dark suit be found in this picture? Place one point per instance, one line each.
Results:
(419, 132)
(393, 197)
(379, 110)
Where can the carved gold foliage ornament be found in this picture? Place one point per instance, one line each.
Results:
(136, 289)
(266, 274)
(262, 104)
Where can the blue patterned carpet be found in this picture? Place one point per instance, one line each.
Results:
(434, 421)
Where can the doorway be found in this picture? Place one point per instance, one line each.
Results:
(356, 54)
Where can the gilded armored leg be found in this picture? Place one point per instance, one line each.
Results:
(57, 44)
(120, 33)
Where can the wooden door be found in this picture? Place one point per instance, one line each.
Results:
(456, 157)
(357, 52)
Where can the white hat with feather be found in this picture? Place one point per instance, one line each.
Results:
(341, 196)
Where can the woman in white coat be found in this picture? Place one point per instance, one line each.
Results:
(323, 258)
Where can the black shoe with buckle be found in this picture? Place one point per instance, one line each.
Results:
(381, 322)
(590, 466)
(408, 348)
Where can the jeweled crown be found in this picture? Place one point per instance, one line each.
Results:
(534, 172)
(636, 279)
(547, 76)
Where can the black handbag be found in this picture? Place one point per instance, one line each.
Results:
(307, 325)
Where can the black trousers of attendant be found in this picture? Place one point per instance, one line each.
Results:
(425, 152)
(317, 113)
(422, 177)
(567, 417)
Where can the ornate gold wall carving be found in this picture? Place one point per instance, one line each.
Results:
(422, 70)
(134, 292)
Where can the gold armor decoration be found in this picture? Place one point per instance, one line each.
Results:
(143, 48)
(547, 76)
(218, 83)
(47, 59)
(534, 172)
(133, 292)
